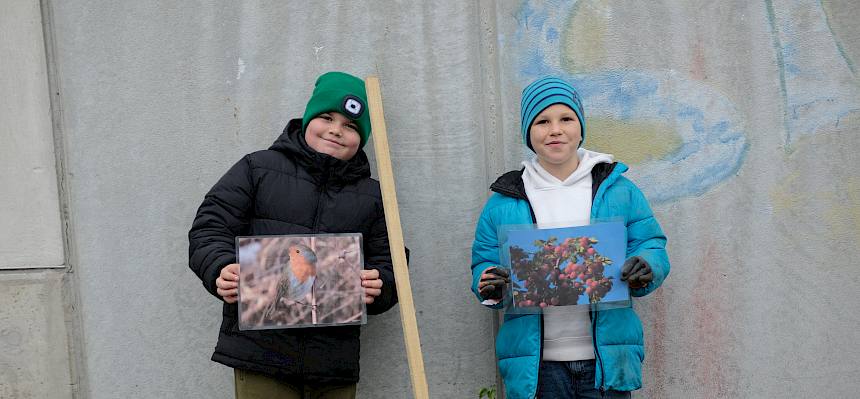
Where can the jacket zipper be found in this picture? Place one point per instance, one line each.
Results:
(540, 352)
(597, 351)
(315, 230)
(593, 313)
(322, 191)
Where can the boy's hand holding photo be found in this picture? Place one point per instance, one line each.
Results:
(637, 272)
(493, 283)
(228, 283)
(372, 285)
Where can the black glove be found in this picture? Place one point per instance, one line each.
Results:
(637, 272)
(493, 287)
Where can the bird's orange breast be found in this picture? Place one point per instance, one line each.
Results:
(302, 269)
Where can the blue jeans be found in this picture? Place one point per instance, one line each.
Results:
(570, 380)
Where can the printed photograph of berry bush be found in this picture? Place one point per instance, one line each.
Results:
(568, 266)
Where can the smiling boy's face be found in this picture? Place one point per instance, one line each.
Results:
(334, 134)
(555, 135)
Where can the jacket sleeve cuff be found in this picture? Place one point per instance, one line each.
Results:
(213, 271)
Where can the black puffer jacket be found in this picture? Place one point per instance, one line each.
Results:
(291, 189)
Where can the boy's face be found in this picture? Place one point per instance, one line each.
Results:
(334, 134)
(555, 135)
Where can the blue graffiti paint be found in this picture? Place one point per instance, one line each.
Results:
(551, 35)
(780, 62)
(623, 93)
(814, 69)
(711, 132)
(789, 52)
(839, 45)
(713, 142)
(534, 67)
(538, 21)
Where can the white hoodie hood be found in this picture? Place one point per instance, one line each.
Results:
(562, 202)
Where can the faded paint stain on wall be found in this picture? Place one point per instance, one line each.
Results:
(635, 143)
(657, 352)
(714, 369)
(684, 119)
(842, 21)
(816, 76)
(585, 38)
(823, 207)
(703, 142)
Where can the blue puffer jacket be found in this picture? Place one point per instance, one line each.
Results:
(618, 342)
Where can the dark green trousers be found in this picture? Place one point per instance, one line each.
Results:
(250, 385)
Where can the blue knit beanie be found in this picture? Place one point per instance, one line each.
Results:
(542, 93)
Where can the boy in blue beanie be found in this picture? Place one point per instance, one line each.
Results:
(557, 354)
(314, 179)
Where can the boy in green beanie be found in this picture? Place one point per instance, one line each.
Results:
(315, 178)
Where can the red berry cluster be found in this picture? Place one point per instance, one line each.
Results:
(558, 273)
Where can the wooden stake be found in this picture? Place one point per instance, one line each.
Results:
(395, 240)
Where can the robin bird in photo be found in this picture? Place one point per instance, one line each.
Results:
(298, 274)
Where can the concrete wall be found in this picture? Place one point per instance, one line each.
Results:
(737, 119)
(34, 350)
(30, 200)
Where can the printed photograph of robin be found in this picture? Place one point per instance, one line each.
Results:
(300, 281)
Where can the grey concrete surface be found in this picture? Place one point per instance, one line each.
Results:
(158, 112)
(30, 209)
(738, 120)
(34, 356)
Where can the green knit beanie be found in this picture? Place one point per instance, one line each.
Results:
(343, 93)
